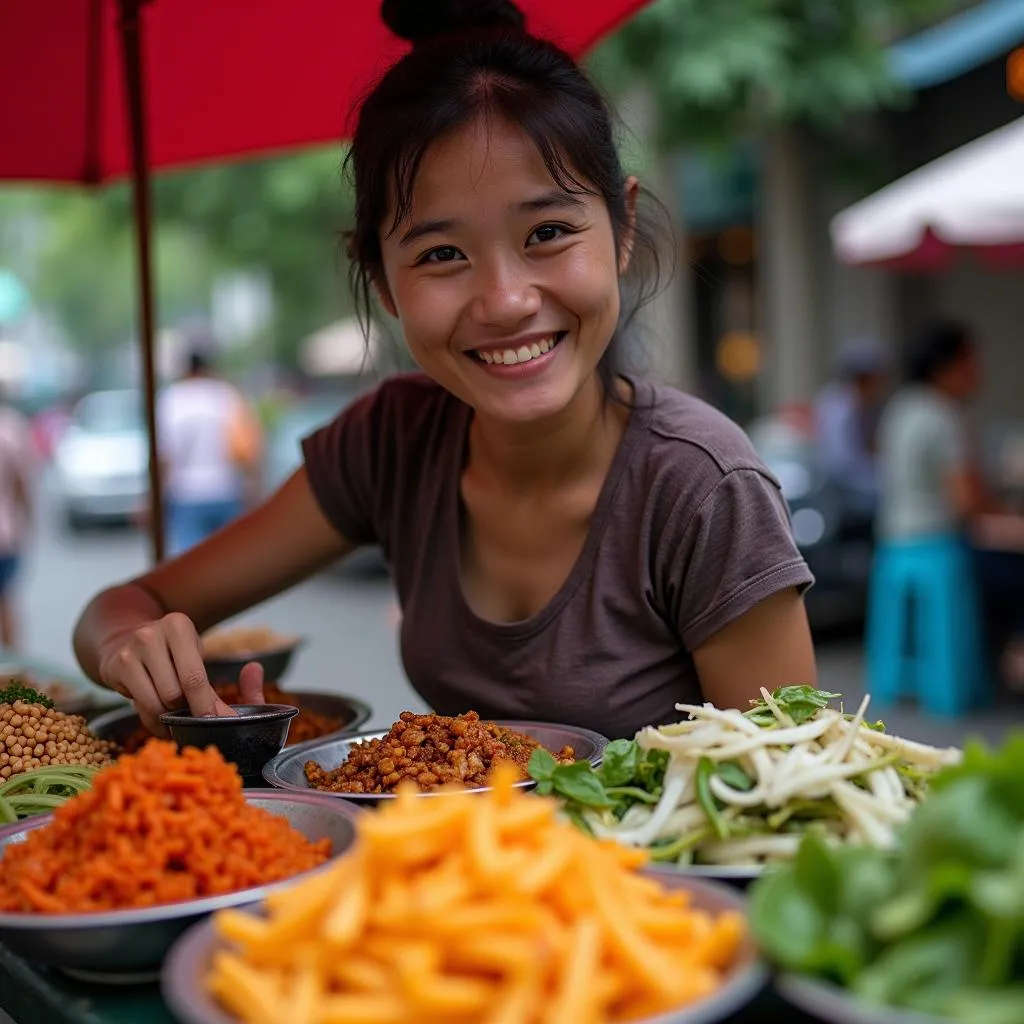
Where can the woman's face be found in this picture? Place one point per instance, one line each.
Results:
(506, 286)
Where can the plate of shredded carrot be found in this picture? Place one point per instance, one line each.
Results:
(480, 909)
(161, 838)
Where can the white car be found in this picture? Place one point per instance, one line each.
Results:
(101, 459)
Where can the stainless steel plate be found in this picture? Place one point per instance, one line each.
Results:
(734, 875)
(130, 941)
(834, 1005)
(186, 966)
(287, 770)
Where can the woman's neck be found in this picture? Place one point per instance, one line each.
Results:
(580, 440)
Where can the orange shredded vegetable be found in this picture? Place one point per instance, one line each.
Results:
(160, 826)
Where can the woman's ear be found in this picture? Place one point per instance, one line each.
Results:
(380, 286)
(629, 234)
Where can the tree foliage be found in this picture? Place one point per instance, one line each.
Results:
(726, 68)
(282, 216)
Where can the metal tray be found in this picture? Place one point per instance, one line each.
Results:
(731, 874)
(118, 725)
(126, 944)
(286, 771)
(185, 993)
(834, 1005)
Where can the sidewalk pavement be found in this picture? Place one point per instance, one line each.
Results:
(841, 669)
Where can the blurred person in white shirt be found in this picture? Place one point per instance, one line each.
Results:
(209, 444)
(17, 465)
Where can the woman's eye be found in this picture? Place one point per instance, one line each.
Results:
(547, 233)
(442, 254)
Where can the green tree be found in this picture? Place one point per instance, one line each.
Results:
(282, 216)
(731, 67)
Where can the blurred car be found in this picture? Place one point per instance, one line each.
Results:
(284, 456)
(297, 420)
(100, 460)
(834, 538)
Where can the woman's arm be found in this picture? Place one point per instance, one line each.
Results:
(142, 637)
(768, 646)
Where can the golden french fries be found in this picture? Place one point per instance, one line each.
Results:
(472, 909)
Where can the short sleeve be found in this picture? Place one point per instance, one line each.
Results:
(342, 462)
(948, 443)
(735, 550)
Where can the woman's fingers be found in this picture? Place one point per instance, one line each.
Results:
(250, 683)
(134, 681)
(186, 653)
(150, 646)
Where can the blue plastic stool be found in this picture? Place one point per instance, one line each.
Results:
(924, 633)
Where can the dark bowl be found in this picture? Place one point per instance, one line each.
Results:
(275, 662)
(122, 723)
(249, 738)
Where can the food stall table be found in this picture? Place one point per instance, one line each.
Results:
(33, 994)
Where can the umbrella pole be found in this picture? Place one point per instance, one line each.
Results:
(134, 82)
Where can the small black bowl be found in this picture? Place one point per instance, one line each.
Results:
(222, 671)
(249, 738)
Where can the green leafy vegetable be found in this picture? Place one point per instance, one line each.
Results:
(733, 775)
(619, 761)
(799, 702)
(16, 690)
(577, 781)
(936, 925)
(705, 770)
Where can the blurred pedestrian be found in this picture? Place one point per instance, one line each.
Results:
(846, 415)
(932, 483)
(210, 446)
(17, 463)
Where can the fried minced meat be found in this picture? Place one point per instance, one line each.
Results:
(431, 750)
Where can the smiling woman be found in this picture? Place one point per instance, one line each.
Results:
(569, 542)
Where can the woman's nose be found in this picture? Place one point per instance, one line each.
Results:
(504, 294)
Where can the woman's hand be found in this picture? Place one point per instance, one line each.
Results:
(159, 666)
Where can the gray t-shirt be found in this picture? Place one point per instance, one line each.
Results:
(690, 532)
(922, 439)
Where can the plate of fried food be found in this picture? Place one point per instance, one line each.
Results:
(474, 909)
(432, 751)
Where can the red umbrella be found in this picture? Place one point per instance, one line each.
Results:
(94, 89)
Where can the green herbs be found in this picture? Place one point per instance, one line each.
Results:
(800, 703)
(936, 925)
(16, 690)
(41, 790)
(627, 775)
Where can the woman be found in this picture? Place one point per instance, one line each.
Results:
(567, 543)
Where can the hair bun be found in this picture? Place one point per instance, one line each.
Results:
(419, 21)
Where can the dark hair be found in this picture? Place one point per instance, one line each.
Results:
(938, 347)
(471, 58)
(198, 361)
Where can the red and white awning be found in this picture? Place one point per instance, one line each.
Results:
(970, 199)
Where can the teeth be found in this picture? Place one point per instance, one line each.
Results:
(511, 356)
